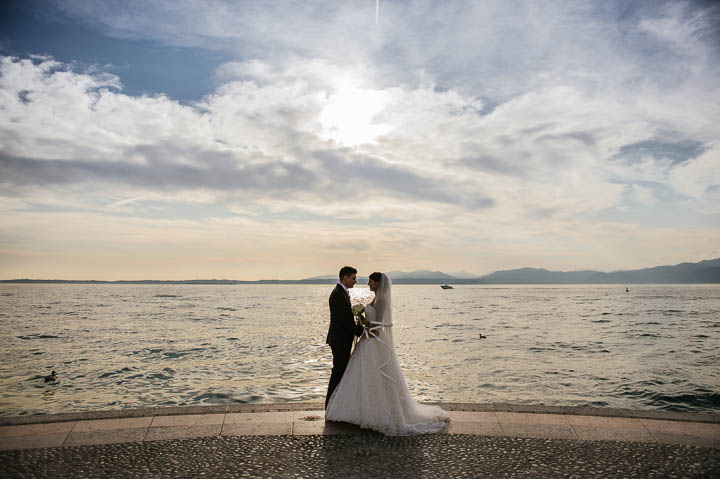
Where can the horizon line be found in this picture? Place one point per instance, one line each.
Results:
(332, 277)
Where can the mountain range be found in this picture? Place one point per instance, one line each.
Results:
(707, 271)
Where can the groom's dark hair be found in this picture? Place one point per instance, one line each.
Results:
(346, 271)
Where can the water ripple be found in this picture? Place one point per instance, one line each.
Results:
(154, 345)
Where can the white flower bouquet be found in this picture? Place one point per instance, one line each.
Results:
(358, 309)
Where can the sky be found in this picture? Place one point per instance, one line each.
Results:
(272, 139)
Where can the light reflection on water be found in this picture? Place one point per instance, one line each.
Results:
(115, 346)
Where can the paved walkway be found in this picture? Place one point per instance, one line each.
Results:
(687, 443)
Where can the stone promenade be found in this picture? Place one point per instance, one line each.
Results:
(293, 440)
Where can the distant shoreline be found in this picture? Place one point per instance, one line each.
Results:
(703, 272)
(404, 281)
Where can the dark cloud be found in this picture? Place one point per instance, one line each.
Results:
(493, 164)
(538, 129)
(361, 172)
(174, 169)
(678, 152)
(585, 137)
(25, 96)
(160, 170)
(544, 213)
(479, 202)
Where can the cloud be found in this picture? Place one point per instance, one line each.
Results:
(160, 171)
(643, 194)
(675, 152)
(495, 129)
(699, 178)
(248, 29)
(259, 135)
(511, 46)
(366, 174)
(246, 138)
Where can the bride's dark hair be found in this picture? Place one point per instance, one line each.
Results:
(375, 276)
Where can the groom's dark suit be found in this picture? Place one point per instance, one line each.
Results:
(340, 335)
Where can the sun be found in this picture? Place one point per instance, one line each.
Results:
(350, 116)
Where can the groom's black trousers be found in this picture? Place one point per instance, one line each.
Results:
(341, 356)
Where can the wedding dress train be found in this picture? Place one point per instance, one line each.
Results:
(372, 393)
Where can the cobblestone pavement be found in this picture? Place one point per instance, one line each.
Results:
(366, 455)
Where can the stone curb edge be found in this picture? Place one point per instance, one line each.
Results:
(314, 406)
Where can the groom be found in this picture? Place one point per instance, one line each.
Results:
(342, 327)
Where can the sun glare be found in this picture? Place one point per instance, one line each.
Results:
(349, 117)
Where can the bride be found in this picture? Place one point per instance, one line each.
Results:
(372, 393)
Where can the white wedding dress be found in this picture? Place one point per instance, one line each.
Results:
(372, 392)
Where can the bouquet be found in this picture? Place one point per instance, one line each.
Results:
(358, 309)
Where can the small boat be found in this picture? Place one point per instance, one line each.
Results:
(446, 286)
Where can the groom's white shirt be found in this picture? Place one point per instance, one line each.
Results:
(345, 288)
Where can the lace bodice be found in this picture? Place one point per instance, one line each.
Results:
(377, 326)
(370, 313)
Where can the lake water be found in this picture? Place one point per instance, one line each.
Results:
(121, 346)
